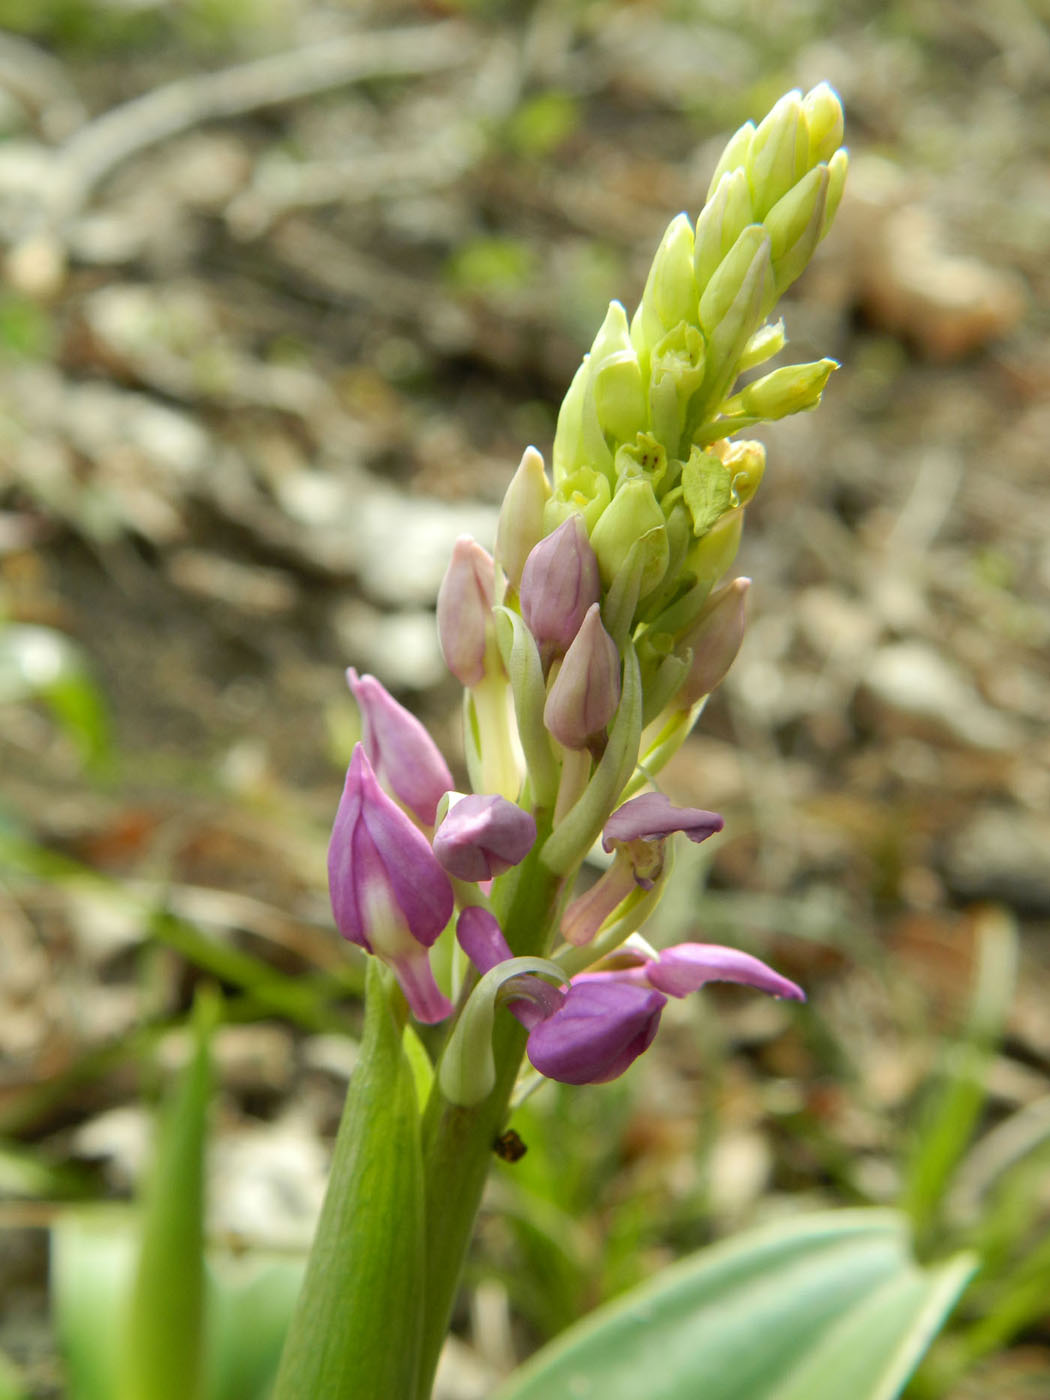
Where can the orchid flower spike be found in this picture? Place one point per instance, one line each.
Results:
(389, 894)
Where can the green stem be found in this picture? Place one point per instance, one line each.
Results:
(458, 1142)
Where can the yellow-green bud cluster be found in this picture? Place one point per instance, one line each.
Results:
(639, 450)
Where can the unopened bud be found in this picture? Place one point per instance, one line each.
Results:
(746, 463)
(824, 122)
(714, 641)
(838, 167)
(676, 374)
(735, 155)
(720, 223)
(464, 610)
(586, 691)
(559, 583)
(795, 225)
(778, 154)
(711, 556)
(520, 524)
(403, 754)
(616, 378)
(670, 292)
(731, 308)
(792, 389)
(633, 513)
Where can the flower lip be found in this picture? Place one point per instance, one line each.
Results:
(599, 1030)
(652, 817)
(688, 966)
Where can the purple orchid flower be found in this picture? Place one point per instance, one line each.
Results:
(482, 836)
(599, 1030)
(636, 831)
(389, 894)
(402, 753)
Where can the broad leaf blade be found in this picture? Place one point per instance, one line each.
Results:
(774, 1315)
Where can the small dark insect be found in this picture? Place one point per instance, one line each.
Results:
(509, 1147)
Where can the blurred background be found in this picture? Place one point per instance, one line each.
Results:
(286, 287)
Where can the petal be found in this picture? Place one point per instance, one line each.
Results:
(481, 938)
(482, 836)
(416, 979)
(379, 860)
(687, 967)
(652, 817)
(399, 748)
(598, 1032)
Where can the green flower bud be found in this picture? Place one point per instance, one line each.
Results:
(645, 457)
(722, 220)
(616, 378)
(711, 556)
(730, 311)
(520, 524)
(735, 155)
(565, 456)
(778, 154)
(746, 463)
(676, 374)
(633, 514)
(670, 292)
(822, 114)
(795, 225)
(792, 389)
(838, 165)
(583, 492)
(766, 342)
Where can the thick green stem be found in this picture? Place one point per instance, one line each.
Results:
(458, 1142)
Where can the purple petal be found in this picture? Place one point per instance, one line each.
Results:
(481, 938)
(599, 1031)
(482, 836)
(399, 748)
(428, 1002)
(686, 967)
(378, 860)
(653, 817)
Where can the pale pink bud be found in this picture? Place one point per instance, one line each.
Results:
(404, 756)
(715, 640)
(464, 610)
(559, 583)
(482, 836)
(586, 691)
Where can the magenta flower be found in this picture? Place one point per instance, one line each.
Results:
(559, 583)
(402, 753)
(389, 894)
(599, 1031)
(607, 1019)
(636, 832)
(482, 836)
(687, 967)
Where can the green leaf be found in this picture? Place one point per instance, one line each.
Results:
(92, 1261)
(707, 486)
(163, 1354)
(817, 1308)
(356, 1327)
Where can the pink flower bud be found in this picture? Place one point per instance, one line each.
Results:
(586, 691)
(402, 753)
(559, 583)
(482, 836)
(464, 610)
(715, 641)
(599, 1031)
(389, 894)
